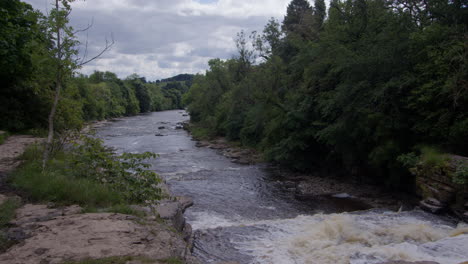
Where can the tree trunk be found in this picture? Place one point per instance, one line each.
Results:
(58, 87)
(50, 136)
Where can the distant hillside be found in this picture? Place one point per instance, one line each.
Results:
(178, 78)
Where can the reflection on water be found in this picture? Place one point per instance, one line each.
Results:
(243, 213)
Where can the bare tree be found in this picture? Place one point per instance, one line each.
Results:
(63, 54)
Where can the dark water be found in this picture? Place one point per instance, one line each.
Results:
(234, 204)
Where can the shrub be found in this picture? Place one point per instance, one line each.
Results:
(461, 174)
(7, 213)
(3, 137)
(90, 174)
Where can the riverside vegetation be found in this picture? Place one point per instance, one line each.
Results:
(86, 173)
(78, 169)
(27, 78)
(369, 88)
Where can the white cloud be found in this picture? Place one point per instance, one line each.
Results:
(161, 38)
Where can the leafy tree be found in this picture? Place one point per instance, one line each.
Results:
(355, 90)
(21, 102)
(320, 12)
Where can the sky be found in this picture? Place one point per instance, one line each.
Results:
(161, 38)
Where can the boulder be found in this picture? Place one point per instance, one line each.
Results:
(431, 206)
(172, 211)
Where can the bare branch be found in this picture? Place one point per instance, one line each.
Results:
(86, 49)
(86, 28)
(109, 44)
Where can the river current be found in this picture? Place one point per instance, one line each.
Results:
(243, 213)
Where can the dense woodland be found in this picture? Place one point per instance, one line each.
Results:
(360, 88)
(363, 87)
(28, 76)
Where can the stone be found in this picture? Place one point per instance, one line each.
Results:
(159, 135)
(172, 213)
(161, 127)
(427, 206)
(434, 202)
(98, 235)
(407, 262)
(185, 202)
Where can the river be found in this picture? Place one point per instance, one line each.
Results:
(244, 213)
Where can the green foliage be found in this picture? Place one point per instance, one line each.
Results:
(115, 260)
(173, 260)
(88, 174)
(433, 158)
(358, 89)
(125, 173)
(7, 213)
(408, 160)
(56, 186)
(21, 99)
(461, 174)
(3, 137)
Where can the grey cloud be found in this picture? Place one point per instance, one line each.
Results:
(153, 34)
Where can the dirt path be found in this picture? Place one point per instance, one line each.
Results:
(11, 149)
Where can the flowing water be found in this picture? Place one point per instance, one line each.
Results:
(244, 213)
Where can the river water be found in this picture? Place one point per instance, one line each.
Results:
(244, 213)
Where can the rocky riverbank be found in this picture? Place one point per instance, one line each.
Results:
(313, 187)
(46, 233)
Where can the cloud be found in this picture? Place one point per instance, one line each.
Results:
(161, 38)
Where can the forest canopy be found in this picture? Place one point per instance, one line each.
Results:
(27, 80)
(361, 87)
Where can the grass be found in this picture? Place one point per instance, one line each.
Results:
(87, 175)
(433, 158)
(55, 185)
(7, 213)
(125, 259)
(3, 137)
(201, 133)
(58, 183)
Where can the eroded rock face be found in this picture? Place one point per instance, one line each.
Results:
(58, 235)
(437, 189)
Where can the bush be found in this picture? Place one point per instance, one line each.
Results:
(55, 185)
(461, 174)
(7, 213)
(431, 157)
(3, 137)
(89, 174)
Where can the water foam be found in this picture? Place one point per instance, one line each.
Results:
(357, 239)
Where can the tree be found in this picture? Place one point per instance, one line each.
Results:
(63, 55)
(298, 19)
(21, 104)
(320, 12)
(141, 92)
(269, 42)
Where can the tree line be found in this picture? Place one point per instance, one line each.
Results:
(360, 88)
(28, 76)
